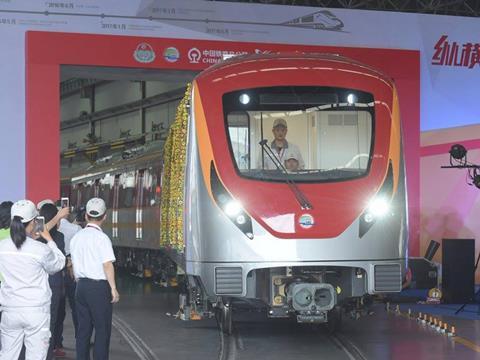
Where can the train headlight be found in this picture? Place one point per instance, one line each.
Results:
(241, 219)
(233, 208)
(379, 206)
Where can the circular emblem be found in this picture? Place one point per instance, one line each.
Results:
(144, 53)
(194, 55)
(171, 54)
(306, 221)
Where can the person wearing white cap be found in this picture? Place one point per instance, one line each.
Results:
(25, 294)
(281, 148)
(92, 257)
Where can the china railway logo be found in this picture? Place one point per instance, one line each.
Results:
(144, 53)
(448, 53)
(194, 55)
(171, 54)
(306, 221)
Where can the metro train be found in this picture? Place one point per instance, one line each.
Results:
(302, 243)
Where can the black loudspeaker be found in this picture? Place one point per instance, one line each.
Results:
(424, 273)
(431, 250)
(458, 277)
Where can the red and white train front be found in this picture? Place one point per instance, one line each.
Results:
(295, 184)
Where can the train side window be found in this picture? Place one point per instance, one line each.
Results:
(106, 189)
(73, 196)
(87, 192)
(139, 190)
(149, 187)
(128, 189)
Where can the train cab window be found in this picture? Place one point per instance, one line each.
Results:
(238, 130)
(308, 134)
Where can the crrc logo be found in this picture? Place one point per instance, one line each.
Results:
(306, 221)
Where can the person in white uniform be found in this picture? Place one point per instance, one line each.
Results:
(92, 258)
(282, 149)
(25, 294)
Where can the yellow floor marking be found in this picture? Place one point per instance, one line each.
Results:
(458, 339)
(467, 343)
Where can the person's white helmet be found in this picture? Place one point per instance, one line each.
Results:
(43, 202)
(25, 209)
(96, 207)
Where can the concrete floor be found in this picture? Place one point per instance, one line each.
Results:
(144, 329)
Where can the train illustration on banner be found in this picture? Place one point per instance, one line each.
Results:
(303, 230)
(321, 20)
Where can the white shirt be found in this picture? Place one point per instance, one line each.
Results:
(25, 274)
(90, 248)
(289, 151)
(68, 230)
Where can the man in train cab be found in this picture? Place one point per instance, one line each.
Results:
(281, 147)
(92, 258)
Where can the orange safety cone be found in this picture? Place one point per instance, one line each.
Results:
(453, 332)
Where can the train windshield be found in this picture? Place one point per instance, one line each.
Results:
(309, 134)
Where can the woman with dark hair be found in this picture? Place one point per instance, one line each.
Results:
(56, 281)
(5, 208)
(25, 294)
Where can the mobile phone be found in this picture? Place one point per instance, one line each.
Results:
(64, 202)
(39, 224)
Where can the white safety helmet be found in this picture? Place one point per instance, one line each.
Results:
(43, 202)
(24, 209)
(96, 207)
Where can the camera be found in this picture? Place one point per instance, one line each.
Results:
(64, 202)
(39, 224)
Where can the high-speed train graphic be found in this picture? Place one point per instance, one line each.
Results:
(322, 19)
(303, 241)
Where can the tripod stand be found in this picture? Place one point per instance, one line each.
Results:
(477, 293)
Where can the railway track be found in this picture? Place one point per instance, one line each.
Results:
(263, 339)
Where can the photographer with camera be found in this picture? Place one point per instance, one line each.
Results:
(25, 294)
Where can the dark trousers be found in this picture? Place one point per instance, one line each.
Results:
(94, 311)
(57, 294)
(70, 286)
(58, 339)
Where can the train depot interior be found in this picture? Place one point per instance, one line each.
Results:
(263, 200)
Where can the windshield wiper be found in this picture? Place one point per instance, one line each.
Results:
(301, 198)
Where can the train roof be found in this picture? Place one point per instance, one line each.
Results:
(150, 157)
(294, 56)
